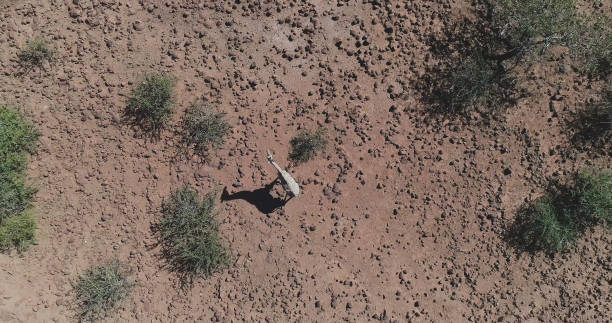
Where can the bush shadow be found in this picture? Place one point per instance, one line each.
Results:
(142, 129)
(469, 69)
(592, 128)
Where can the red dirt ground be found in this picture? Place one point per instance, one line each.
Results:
(401, 219)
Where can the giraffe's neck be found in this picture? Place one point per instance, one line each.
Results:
(280, 170)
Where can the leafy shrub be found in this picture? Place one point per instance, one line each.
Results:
(204, 128)
(526, 25)
(593, 47)
(17, 232)
(532, 26)
(554, 221)
(478, 61)
(152, 102)
(35, 53)
(189, 234)
(100, 289)
(306, 144)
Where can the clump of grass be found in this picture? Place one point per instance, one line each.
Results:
(204, 128)
(593, 195)
(306, 144)
(541, 227)
(17, 138)
(189, 234)
(152, 102)
(553, 222)
(100, 289)
(36, 52)
(17, 232)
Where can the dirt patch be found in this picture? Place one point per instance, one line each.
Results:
(402, 218)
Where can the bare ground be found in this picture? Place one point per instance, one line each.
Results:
(402, 218)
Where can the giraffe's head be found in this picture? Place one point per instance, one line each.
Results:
(270, 158)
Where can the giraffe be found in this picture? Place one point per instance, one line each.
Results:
(289, 184)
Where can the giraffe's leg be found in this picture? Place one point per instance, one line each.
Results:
(269, 186)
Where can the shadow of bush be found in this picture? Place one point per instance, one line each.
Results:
(469, 73)
(592, 127)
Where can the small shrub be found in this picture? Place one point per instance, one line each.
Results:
(17, 232)
(307, 144)
(204, 128)
(17, 138)
(36, 53)
(100, 289)
(553, 222)
(189, 234)
(152, 102)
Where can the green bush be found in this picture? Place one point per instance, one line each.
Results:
(152, 102)
(17, 138)
(554, 221)
(100, 289)
(306, 144)
(17, 232)
(204, 128)
(35, 53)
(189, 234)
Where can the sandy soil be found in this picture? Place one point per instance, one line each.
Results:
(401, 219)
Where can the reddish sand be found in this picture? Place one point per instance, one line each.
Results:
(402, 218)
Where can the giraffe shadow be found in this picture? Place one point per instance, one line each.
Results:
(260, 198)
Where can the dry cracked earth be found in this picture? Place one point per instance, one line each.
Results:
(402, 218)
